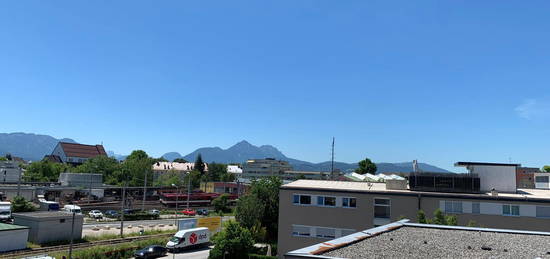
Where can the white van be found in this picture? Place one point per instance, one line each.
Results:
(5, 211)
(189, 238)
(72, 208)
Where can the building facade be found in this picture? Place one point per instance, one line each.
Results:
(312, 211)
(76, 154)
(525, 177)
(160, 168)
(10, 172)
(49, 226)
(500, 177)
(256, 168)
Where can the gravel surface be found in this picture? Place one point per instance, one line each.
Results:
(416, 242)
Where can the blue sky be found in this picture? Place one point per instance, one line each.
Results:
(437, 81)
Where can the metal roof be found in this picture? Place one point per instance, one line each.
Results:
(7, 227)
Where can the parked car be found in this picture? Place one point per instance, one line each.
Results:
(72, 208)
(95, 214)
(111, 214)
(189, 212)
(154, 212)
(203, 212)
(153, 251)
(129, 211)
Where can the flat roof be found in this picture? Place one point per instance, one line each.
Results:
(485, 163)
(46, 214)
(7, 227)
(411, 240)
(536, 195)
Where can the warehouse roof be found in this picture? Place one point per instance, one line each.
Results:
(410, 240)
(7, 227)
(45, 215)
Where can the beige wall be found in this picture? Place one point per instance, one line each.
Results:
(361, 218)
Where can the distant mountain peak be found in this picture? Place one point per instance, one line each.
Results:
(242, 143)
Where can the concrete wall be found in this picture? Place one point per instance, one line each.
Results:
(13, 239)
(501, 178)
(402, 206)
(9, 172)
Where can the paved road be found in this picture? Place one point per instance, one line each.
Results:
(199, 253)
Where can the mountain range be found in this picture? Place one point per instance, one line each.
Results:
(33, 147)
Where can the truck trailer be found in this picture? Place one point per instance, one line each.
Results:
(188, 238)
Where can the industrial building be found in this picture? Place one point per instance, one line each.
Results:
(50, 226)
(256, 168)
(13, 237)
(312, 211)
(10, 172)
(403, 239)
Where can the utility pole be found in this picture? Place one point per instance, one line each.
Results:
(90, 190)
(188, 188)
(144, 191)
(122, 210)
(72, 236)
(332, 161)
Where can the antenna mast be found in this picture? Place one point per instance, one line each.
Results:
(332, 161)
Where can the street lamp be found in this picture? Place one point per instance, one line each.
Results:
(176, 211)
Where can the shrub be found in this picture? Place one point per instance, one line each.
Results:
(234, 242)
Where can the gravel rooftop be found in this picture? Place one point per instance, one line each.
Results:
(419, 242)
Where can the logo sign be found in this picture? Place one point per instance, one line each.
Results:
(187, 224)
(193, 238)
(212, 223)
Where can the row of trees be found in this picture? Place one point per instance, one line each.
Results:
(133, 171)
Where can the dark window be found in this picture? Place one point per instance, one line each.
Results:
(305, 199)
(382, 208)
(349, 202)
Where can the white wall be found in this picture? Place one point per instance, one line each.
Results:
(501, 178)
(13, 239)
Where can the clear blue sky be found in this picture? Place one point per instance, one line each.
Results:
(437, 81)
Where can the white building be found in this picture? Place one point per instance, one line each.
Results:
(76, 153)
(255, 168)
(13, 237)
(10, 172)
(160, 168)
(234, 169)
(498, 176)
(542, 180)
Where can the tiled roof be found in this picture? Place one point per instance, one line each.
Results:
(81, 150)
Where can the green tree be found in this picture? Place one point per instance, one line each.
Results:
(180, 160)
(546, 168)
(135, 167)
(199, 164)
(106, 166)
(169, 178)
(421, 217)
(195, 178)
(216, 171)
(3, 158)
(160, 159)
(234, 242)
(249, 211)
(227, 177)
(19, 204)
(266, 191)
(366, 166)
(44, 171)
(221, 204)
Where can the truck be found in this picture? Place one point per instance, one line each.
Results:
(5, 211)
(49, 205)
(188, 238)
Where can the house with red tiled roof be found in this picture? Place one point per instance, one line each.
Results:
(74, 153)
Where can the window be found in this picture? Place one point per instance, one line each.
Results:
(301, 199)
(349, 202)
(541, 179)
(382, 208)
(326, 232)
(301, 231)
(453, 207)
(326, 201)
(346, 232)
(543, 212)
(510, 210)
(475, 208)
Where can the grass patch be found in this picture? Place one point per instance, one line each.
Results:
(111, 251)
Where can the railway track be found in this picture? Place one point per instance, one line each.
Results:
(46, 250)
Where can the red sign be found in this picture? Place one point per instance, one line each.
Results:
(193, 238)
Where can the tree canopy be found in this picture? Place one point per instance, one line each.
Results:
(44, 171)
(264, 191)
(366, 166)
(234, 242)
(180, 160)
(199, 164)
(19, 204)
(546, 168)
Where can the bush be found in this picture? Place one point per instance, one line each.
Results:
(112, 251)
(221, 204)
(19, 204)
(139, 216)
